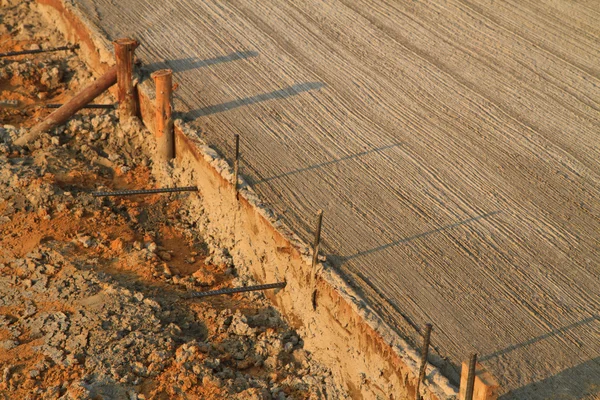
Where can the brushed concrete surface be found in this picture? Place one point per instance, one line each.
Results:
(453, 145)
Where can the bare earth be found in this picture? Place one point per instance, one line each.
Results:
(454, 146)
(93, 291)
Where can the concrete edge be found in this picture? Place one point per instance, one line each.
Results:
(437, 384)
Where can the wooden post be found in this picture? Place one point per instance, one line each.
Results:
(476, 383)
(315, 259)
(62, 114)
(163, 125)
(424, 355)
(236, 164)
(124, 49)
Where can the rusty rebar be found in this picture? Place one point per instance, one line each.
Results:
(90, 106)
(424, 355)
(36, 51)
(237, 290)
(9, 103)
(471, 377)
(315, 258)
(146, 191)
(236, 164)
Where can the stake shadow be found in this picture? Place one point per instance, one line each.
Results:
(382, 302)
(579, 382)
(395, 317)
(289, 91)
(526, 343)
(418, 236)
(326, 163)
(186, 64)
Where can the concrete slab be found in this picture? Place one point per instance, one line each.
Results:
(454, 147)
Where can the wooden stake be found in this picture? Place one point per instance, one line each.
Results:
(236, 164)
(163, 128)
(315, 258)
(124, 49)
(424, 355)
(62, 114)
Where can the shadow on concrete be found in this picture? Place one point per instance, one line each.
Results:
(577, 383)
(448, 369)
(554, 332)
(418, 236)
(388, 310)
(326, 163)
(186, 64)
(289, 91)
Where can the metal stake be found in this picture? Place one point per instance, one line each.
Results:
(236, 164)
(93, 106)
(146, 191)
(9, 103)
(315, 258)
(471, 377)
(20, 53)
(237, 290)
(424, 355)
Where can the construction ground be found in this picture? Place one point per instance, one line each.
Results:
(453, 145)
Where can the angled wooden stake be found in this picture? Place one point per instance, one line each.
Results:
(66, 111)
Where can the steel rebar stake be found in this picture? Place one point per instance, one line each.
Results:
(90, 106)
(315, 258)
(424, 355)
(471, 377)
(146, 191)
(237, 290)
(23, 52)
(76, 103)
(236, 164)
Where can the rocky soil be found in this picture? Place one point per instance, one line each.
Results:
(28, 83)
(92, 290)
